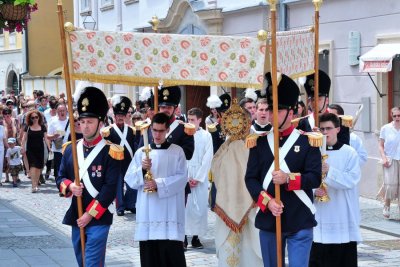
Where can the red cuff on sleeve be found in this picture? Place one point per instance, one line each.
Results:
(64, 188)
(263, 200)
(95, 209)
(294, 182)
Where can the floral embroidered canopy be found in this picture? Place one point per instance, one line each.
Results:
(148, 58)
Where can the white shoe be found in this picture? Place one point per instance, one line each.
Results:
(386, 212)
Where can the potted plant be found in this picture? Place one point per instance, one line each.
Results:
(15, 14)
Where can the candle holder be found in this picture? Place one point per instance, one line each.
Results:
(323, 185)
(148, 176)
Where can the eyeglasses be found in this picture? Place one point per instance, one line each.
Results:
(35, 118)
(323, 129)
(396, 115)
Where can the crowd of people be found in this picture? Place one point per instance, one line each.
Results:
(169, 171)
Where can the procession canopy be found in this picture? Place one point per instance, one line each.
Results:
(174, 59)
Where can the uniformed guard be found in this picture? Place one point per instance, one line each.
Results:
(98, 161)
(124, 135)
(307, 123)
(168, 100)
(300, 172)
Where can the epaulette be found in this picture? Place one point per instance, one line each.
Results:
(105, 132)
(315, 139)
(212, 128)
(116, 151)
(133, 129)
(295, 122)
(251, 140)
(347, 120)
(64, 146)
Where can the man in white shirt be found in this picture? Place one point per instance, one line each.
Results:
(160, 215)
(57, 134)
(198, 168)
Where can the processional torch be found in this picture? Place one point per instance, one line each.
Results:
(144, 127)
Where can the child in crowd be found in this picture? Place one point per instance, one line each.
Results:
(13, 156)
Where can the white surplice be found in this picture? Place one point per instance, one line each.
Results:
(198, 167)
(339, 219)
(160, 215)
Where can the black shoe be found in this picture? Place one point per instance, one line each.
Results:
(120, 213)
(185, 244)
(15, 185)
(41, 179)
(18, 180)
(47, 177)
(133, 210)
(196, 242)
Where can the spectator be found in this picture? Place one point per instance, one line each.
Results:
(179, 115)
(43, 104)
(3, 144)
(301, 109)
(128, 118)
(250, 106)
(35, 145)
(389, 148)
(213, 117)
(13, 156)
(11, 130)
(57, 135)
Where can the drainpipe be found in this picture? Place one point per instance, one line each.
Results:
(25, 53)
(283, 24)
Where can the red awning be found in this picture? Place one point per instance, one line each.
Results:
(379, 58)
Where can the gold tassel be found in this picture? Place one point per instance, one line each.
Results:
(295, 122)
(105, 132)
(251, 140)
(212, 128)
(210, 177)
(347, 120)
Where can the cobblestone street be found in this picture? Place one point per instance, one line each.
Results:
(31, 233)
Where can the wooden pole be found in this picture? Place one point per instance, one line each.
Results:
(317, 4)
(154, 25)
(272, 4)
(70, 27)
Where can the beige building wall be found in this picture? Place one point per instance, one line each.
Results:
(44, 47)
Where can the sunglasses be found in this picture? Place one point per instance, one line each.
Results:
(396, 116)
(35, 118)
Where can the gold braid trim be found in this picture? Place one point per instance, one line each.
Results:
(237, 228)
(143, 81)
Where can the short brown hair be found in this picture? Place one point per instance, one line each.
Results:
(261, 101)
(196, 112)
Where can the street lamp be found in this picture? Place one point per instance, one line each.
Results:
(89, 23)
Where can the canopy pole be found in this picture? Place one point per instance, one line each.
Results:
(154, 25)
(69, 27)
(317, 5)
(272, 4)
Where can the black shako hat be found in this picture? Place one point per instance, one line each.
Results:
(288, 92)
(324, 84)
(92, 103)
(120, 104)
(226, 102)
(169, 96)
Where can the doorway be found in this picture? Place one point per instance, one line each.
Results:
(196, 96)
